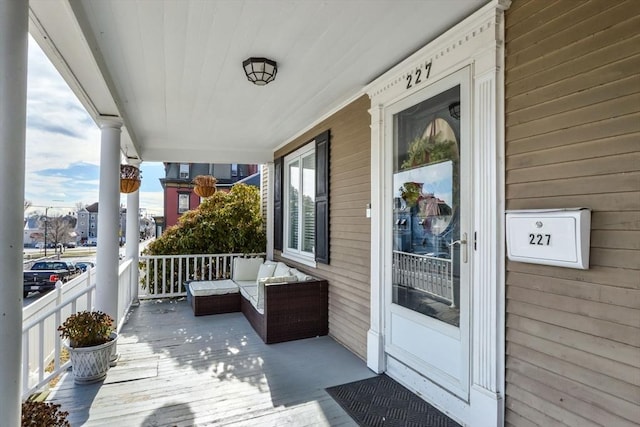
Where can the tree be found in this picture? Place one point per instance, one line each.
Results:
(223, 223)
(59, 229)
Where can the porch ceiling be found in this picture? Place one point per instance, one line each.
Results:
(172, 69)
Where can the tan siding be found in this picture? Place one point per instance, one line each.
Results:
(573, 139)
(264, 191)
(350, 249)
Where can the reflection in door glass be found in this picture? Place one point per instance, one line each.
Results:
(426, 201)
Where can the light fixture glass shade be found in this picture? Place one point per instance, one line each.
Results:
(260, 71)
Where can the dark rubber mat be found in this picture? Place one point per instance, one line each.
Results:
(381, 401)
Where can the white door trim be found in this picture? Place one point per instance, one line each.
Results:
(477, 42)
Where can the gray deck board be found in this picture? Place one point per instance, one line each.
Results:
(176, 369)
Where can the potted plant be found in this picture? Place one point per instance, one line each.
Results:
(90, 339)
(37, 414)
(205, 185)
(129, 178)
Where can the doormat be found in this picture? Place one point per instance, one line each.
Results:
(382, 402)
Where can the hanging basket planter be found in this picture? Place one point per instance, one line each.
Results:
(129, 178)
(205, 185)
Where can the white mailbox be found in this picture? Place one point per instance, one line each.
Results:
(550, 236)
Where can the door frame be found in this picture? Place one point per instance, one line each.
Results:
(478, 43)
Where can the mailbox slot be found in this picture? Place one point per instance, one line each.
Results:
(557, 237)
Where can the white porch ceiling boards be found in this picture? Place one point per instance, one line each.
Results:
(173, 69)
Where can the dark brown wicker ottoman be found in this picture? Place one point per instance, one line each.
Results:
(213, 297)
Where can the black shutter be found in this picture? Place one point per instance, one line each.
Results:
(322, 198)
(277, 204)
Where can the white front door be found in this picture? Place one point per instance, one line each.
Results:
(429, 207)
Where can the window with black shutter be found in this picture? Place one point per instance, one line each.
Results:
(301, 202)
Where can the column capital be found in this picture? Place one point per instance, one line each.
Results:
(113, 122)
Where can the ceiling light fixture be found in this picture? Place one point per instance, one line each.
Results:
(454, 110)
(260, 70)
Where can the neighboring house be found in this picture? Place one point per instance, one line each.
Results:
(83, 226)
(87, 225)
(147, 227)
(178, 184)
(33, 233)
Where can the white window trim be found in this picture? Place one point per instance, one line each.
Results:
(299, 256)
(180, 195)
(181, 172)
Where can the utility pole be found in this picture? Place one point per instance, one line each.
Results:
(46, 220)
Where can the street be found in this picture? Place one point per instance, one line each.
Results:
(83, 253)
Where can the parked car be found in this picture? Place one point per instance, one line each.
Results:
(85, 265)
(43, 275)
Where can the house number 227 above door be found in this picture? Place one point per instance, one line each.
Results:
(419, 75)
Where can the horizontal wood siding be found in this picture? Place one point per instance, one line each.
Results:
(573, 139)
(264, 191)
(350, 231)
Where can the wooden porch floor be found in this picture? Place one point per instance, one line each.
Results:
(179, 370)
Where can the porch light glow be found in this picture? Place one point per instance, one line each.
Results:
(260, 70)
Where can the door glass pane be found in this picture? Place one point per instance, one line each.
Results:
(308, 202)
(293, 211)
(426, 207)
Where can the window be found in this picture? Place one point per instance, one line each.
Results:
(300, 192)
(426, 207)
(184, 170)
(234, 169)
(183, 202)
(301, 203)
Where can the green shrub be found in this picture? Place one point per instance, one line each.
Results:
(38, 414)
(223, 223)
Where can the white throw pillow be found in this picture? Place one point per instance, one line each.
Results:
(302, 277)
(278, 279)
(266, 270)
(246, 268)
(282, 269)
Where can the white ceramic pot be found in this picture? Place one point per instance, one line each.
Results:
(90, 364)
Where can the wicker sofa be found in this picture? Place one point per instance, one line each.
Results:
(280, 303)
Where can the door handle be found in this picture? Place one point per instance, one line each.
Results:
(463, 247)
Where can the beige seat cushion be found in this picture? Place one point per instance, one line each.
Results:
(207, 288)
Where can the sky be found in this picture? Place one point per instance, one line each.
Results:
(63, 147)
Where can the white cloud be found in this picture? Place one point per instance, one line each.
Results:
(63, 143)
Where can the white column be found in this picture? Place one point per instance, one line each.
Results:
(13, 107)
(270, 171)
(108, 217)
(375, 334)
(133, 235)
(488, 313)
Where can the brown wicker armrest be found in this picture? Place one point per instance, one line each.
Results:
(291, 311)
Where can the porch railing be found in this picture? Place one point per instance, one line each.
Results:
(41, 344)
(431, 275)
(164, 275)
